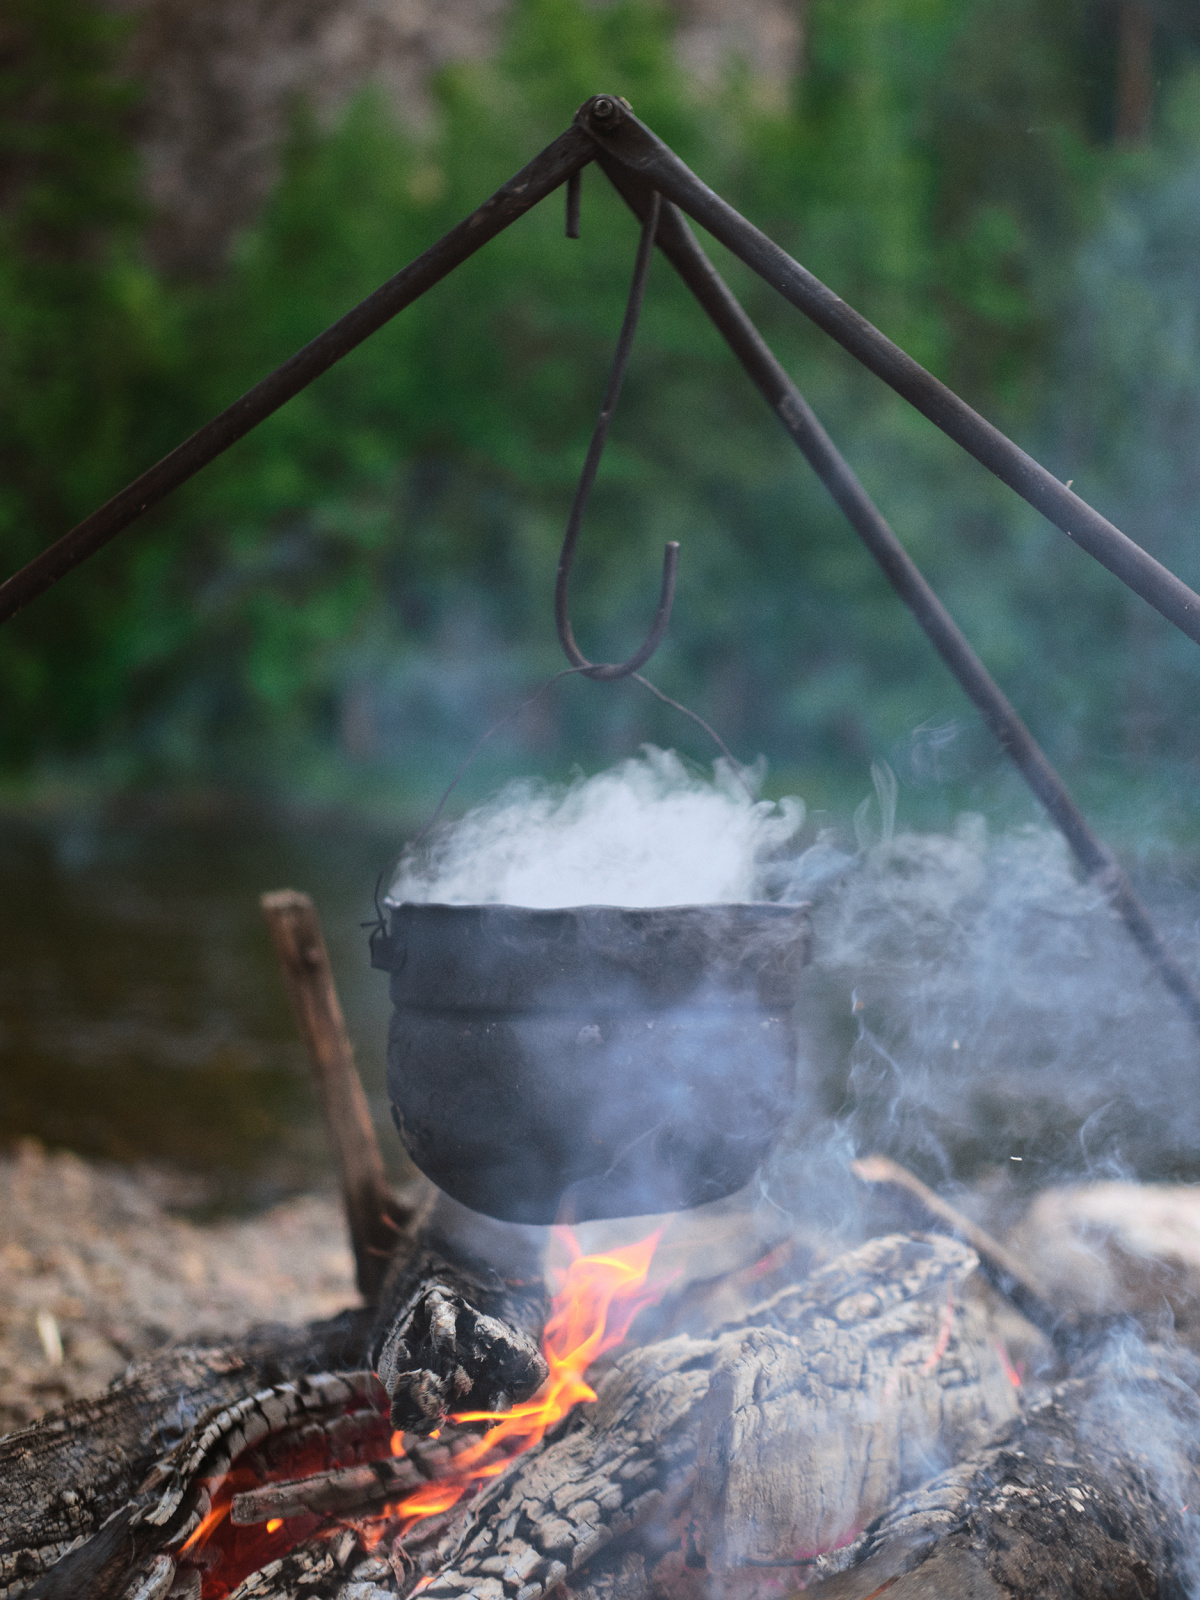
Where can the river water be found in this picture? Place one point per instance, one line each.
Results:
(142, 1015)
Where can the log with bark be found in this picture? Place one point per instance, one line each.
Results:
(858, 1430)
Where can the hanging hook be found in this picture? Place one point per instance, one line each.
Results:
(608, 670)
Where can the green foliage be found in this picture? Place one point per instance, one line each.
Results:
(82, 339)
(358, 589)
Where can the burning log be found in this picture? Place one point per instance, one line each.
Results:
(142, 1461)
(67, 1476)
(788, 1429)
(81, 1487)
(455, 1334)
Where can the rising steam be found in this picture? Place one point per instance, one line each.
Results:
(646, 833)
(970, 999)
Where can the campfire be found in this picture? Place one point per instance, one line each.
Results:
(702, 1411)
(265, 1506)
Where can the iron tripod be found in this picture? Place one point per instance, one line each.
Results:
(640, 166)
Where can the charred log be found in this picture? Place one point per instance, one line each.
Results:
(1087, 1494)
(456, 1335)
(881, 1332)
(81, 1485)
(66, 1475)
(175, 1496)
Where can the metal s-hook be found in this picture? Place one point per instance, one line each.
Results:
(606, 671)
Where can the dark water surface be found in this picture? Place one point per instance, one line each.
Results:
(141, 1010)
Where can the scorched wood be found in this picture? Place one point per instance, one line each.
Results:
(454, 1335)
(1090, 1494)
(68, 1473)
(175, 1496)
(882, 1332)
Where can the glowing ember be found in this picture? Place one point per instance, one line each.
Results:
(1013, 1374)
(591, 1313)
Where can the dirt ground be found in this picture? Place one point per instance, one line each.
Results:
(97, 1267)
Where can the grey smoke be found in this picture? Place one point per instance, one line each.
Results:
(970, 998)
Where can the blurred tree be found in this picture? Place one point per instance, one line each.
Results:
(83, 342)
(363, 585)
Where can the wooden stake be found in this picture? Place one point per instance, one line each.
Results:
(998, 1265)
(370, 1205)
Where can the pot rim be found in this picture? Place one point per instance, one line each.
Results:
(788, 906)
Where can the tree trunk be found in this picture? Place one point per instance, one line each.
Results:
(1135, 71)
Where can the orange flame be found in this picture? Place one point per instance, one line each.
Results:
(212, 1519)
(590, 1314)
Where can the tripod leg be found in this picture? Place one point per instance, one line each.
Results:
(679, 245)
(570, 152)
(630, 143)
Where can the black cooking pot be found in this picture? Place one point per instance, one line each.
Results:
(595, 1061)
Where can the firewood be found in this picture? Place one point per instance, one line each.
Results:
(872, 1339)
(353, 1491)
(456, 1336)
(322, 1568)
(342, 1492)
(175, 1496)
(371, 1210)
(67, 1474)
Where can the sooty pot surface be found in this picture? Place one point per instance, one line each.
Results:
(594, 1061)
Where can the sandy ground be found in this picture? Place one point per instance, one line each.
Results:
(95, 1270)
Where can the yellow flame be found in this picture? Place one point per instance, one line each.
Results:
(591, 1313)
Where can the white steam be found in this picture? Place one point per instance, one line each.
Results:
(970, 998)
(646, 833)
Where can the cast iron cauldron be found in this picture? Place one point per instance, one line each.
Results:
(595, 1061)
